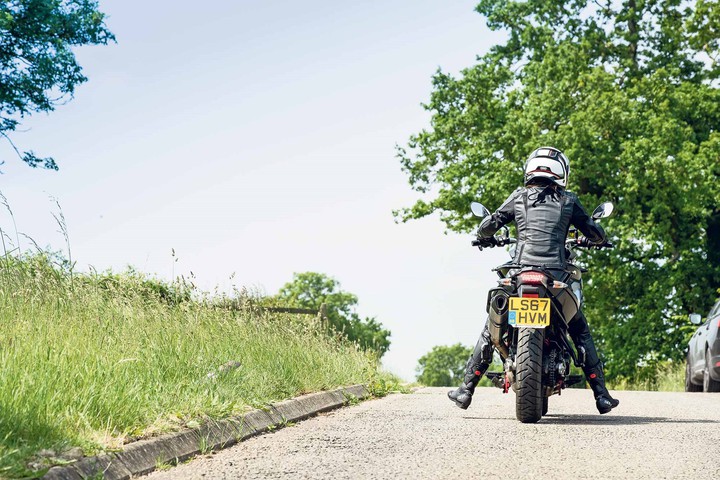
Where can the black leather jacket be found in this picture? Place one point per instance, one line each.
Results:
(543, 216)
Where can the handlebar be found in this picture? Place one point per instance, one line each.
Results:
(502, 241)
(492, 242)
(582, 243)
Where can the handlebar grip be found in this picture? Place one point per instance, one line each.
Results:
(486, 242)
(585, 243)
(602, 245)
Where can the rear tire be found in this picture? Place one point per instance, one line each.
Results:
(528, 375)
(709, 385)
(689, 386)
(545, 405)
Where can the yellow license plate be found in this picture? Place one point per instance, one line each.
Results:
(529, 312)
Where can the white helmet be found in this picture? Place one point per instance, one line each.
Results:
(550, 163)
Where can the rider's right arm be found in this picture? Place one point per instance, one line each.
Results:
(502, 216)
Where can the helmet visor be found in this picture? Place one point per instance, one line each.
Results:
(552, 168)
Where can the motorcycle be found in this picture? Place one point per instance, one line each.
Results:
(529, 312)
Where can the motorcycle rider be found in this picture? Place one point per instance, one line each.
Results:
(543, 212)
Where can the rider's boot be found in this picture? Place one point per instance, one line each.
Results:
(476, 366)
(462, 396)
(603, 401)
(592, 366)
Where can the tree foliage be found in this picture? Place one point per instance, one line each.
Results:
(38, 69)
(443, 366)
(311, 290)
(629, 90)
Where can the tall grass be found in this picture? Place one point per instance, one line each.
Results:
(98, 360)
(664, 377)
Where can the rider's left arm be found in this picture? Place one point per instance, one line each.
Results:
(502, 216)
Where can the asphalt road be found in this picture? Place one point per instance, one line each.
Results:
(650, 435)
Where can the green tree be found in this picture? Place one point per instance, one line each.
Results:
(311, 290)
(443, 366)
(38, 69)
(629, 90)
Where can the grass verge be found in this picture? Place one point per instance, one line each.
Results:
(98, 360)
(665, 377)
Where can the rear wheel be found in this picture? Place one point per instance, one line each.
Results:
(689, 386)
(709, 385)
(528, 375)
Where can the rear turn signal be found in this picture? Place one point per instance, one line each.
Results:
(557, 284)
(505, 282)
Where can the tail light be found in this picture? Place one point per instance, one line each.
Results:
(533, 278)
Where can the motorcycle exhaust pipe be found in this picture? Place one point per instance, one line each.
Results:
(500, 303)
(499, 322)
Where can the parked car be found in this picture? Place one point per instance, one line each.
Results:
(702, 372)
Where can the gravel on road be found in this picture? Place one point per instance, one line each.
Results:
(651, 435)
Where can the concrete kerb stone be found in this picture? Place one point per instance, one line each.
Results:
(142, 457)
(221, 434)
(107, 464)
(63, 473)
(256, 422)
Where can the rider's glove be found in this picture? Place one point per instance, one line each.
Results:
(486, 241)
(584, 242)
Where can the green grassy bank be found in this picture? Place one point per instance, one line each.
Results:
(96, 361)
(664, 377)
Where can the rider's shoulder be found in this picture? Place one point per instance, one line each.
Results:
(572, 196)
(513, 196)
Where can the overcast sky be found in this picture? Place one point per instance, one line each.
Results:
(257, 138)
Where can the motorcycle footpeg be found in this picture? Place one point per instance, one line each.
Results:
(497, 378)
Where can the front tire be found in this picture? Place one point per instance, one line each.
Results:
(689, 386)
(528, 375)
(709, 385)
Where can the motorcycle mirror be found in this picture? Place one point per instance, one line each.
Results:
(479, 210)
(603, 210)
(695, 318)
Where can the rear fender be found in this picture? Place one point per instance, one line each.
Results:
(532, 291)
